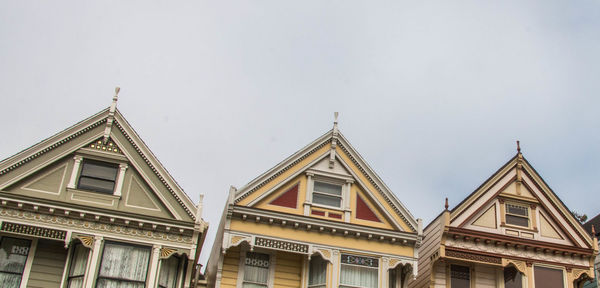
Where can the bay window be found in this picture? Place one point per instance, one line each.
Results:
(79, 261)
(358, 271)
(256, 270)
(317, 272)
(13, 255)
(123, 266)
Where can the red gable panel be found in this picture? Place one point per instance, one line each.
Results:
(363, 211)
(288, 199)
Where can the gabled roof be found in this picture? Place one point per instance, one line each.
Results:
(56, 146)
(334, 138)
(553, 201)
(595, 222)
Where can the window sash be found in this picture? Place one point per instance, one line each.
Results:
(169, 269)
(256, 270)
(354, 276)
(327, 200)
(327, 188)
(98, 176)
(123, 263)
(517, 215)
(13, 257)
(460, 276)
(317, 272)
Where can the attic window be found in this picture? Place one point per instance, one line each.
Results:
(98, 176)
(517, 215)
(327, 194)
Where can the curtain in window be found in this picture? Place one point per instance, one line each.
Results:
(317, 274)
(13, 255)
(123, 266)
(460, 276)
(548, 277)
(78, 264)
(256, 270)
(168, 272)
(512, 278)
(356, 276)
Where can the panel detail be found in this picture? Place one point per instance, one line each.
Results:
(281, 245)
(363, 211)
(473, 257)
(288, 199)
(33, 231)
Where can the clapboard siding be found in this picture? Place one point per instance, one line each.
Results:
(288, 270)
(485, 276)
(231, 266)
(431, 244)
(48, 264)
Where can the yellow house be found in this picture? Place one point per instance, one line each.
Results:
(512, 232)
(92, 207)
(320, 218)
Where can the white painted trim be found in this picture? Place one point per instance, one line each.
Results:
(75, 172)
(29, 263)
(120, 178)
(93, 262)
(63, 281)
(154, 264)
(24, 186)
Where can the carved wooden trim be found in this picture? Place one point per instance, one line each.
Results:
(36, 231)
(473, 257)
(86, 241)
(166, 252)
(521, 266)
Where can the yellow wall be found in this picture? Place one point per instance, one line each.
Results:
(288, 270)
(321, 238)
(231, 266)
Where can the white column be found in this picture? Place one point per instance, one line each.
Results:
(309, 192)
(335, 271)
(75, 172)
(385, 272)
(154, 266)
(346, 197)
(94, 259)
(28, 263)
(119, 184)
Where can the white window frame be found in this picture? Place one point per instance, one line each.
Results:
(506, 213)
(378, 268)
(345, 182)
(78, 168)
(242, 264)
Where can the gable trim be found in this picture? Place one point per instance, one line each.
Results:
(51, 147)
(467, 221)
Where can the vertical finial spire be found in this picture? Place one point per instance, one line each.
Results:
(111, 115)
(446, 205)
(335, 117)
(518, 146)
(334, 138)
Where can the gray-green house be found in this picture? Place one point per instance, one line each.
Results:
(92, 207)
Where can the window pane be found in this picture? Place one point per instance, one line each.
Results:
(256, 269)
(460, 276)
(516, 220)
(97, 185)
(317, 274)
(109, 283)
(328, 188)
(13, 254)
(327, 200)
(356, 276)
(168, 272)
(548, 277)
(124, 262)
(8, 280)
(512, 278)
(517, 210)
(104, 171)
(79, 260)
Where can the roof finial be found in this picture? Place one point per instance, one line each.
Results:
(335, 116)
(111, 115)
(518, 146)
(446, 205)
(334, 137)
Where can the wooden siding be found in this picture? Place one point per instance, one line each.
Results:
(485, 276)
(431, 243)
(288, 270)
(231, 264)
(48, 265)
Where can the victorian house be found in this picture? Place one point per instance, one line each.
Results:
(513, 231)
(92, 207)
(321, 218)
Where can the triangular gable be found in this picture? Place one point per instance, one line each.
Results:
(329, 155)
(288, 198)
(517, 183)
(30, 165)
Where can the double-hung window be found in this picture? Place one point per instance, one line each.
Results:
(358, 272)
(317, 272)
(78, 265)
(327, 194)
(517, 215)
(123, 266)
(13, 255)
(98, 176)
(168, 272)
(460, 276)
(256, 270)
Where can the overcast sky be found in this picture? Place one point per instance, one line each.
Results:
(433, 94)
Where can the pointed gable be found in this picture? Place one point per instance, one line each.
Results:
(101, 163)
(515, 201)
(328, 179)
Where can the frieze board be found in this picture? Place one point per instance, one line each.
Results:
(521, 253)
(88, 226)
(36, 231)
